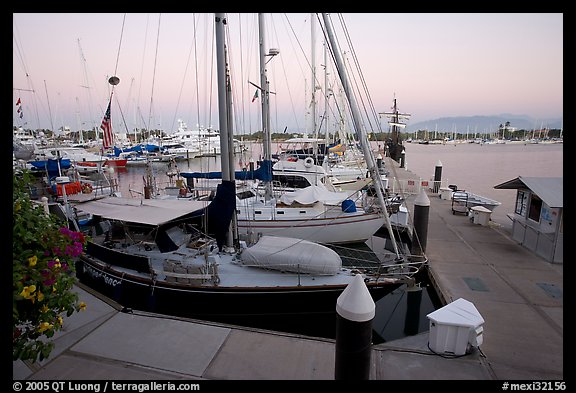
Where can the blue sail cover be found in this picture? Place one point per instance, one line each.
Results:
(219, 212)
(117, 150)
(264, 173)
(51, 165)
(217, 218)
(149, 147)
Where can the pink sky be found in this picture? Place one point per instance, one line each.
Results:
(437, 65)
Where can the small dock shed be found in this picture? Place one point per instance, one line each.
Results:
(538, 219)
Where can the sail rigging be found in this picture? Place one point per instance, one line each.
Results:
(362, 137)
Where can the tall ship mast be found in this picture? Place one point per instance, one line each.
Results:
(394, 143)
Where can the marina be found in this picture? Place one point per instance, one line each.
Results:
(519, 295)
(130, 184)
(203, 256)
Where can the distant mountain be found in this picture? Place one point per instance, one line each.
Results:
(483, 124)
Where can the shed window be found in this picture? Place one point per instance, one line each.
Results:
(535, 208)
(521, 203)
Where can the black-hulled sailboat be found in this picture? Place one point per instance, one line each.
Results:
(185, 259)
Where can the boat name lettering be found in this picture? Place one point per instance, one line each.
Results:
(98, 274)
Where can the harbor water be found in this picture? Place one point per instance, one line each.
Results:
(470, 166)
(478, 167)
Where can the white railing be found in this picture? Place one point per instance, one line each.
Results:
(414, 186)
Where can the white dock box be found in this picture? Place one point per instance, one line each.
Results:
(481, 215)
(446, 193)
(455, 327)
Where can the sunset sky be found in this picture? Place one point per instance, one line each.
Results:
(436, 65)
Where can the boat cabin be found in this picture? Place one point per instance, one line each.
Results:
(538, 218)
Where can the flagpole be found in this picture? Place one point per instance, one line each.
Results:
(106, 126)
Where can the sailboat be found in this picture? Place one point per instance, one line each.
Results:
(185, 259)
(314, 212)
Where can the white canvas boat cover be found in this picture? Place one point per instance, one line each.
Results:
(145, 211)
(313, 194)
(304, 139)
(293, 255)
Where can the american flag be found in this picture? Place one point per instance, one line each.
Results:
(107, 128)
(19, 105)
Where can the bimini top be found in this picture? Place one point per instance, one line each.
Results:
(144, 211)
(549, 189)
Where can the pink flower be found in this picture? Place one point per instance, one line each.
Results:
(54, 264)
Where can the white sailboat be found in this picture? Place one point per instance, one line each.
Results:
(326, 216)
(185, 259)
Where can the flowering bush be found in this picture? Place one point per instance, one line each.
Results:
(43, 274)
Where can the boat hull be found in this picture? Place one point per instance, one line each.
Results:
(213, 302)
(116, 162)
(330, 230)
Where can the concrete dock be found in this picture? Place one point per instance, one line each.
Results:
(518, 294)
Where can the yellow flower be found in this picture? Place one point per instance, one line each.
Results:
(44, 309)
(40, 296)
(28, 292)
(82, 306)
(60, 320)
(32, 261)
(44, 326)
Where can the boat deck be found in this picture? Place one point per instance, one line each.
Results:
(518, 294)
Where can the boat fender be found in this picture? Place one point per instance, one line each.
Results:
(308, 162)
(348, 206)
(86, 188)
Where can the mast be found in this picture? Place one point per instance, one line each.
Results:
(91, 122)
(313, 62)
(233, 235)
(49, 111)
(81, 134)
(224, 113)
(363, 139)
(326, 100)
(265, 90)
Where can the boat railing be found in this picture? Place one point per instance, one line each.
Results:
(415, 186)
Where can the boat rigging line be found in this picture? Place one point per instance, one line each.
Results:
(364, 143)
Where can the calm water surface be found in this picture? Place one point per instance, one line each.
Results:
(472, 167)
(479, 167)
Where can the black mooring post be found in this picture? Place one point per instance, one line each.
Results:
(355, 311)
(413, 301)
(421, 213)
